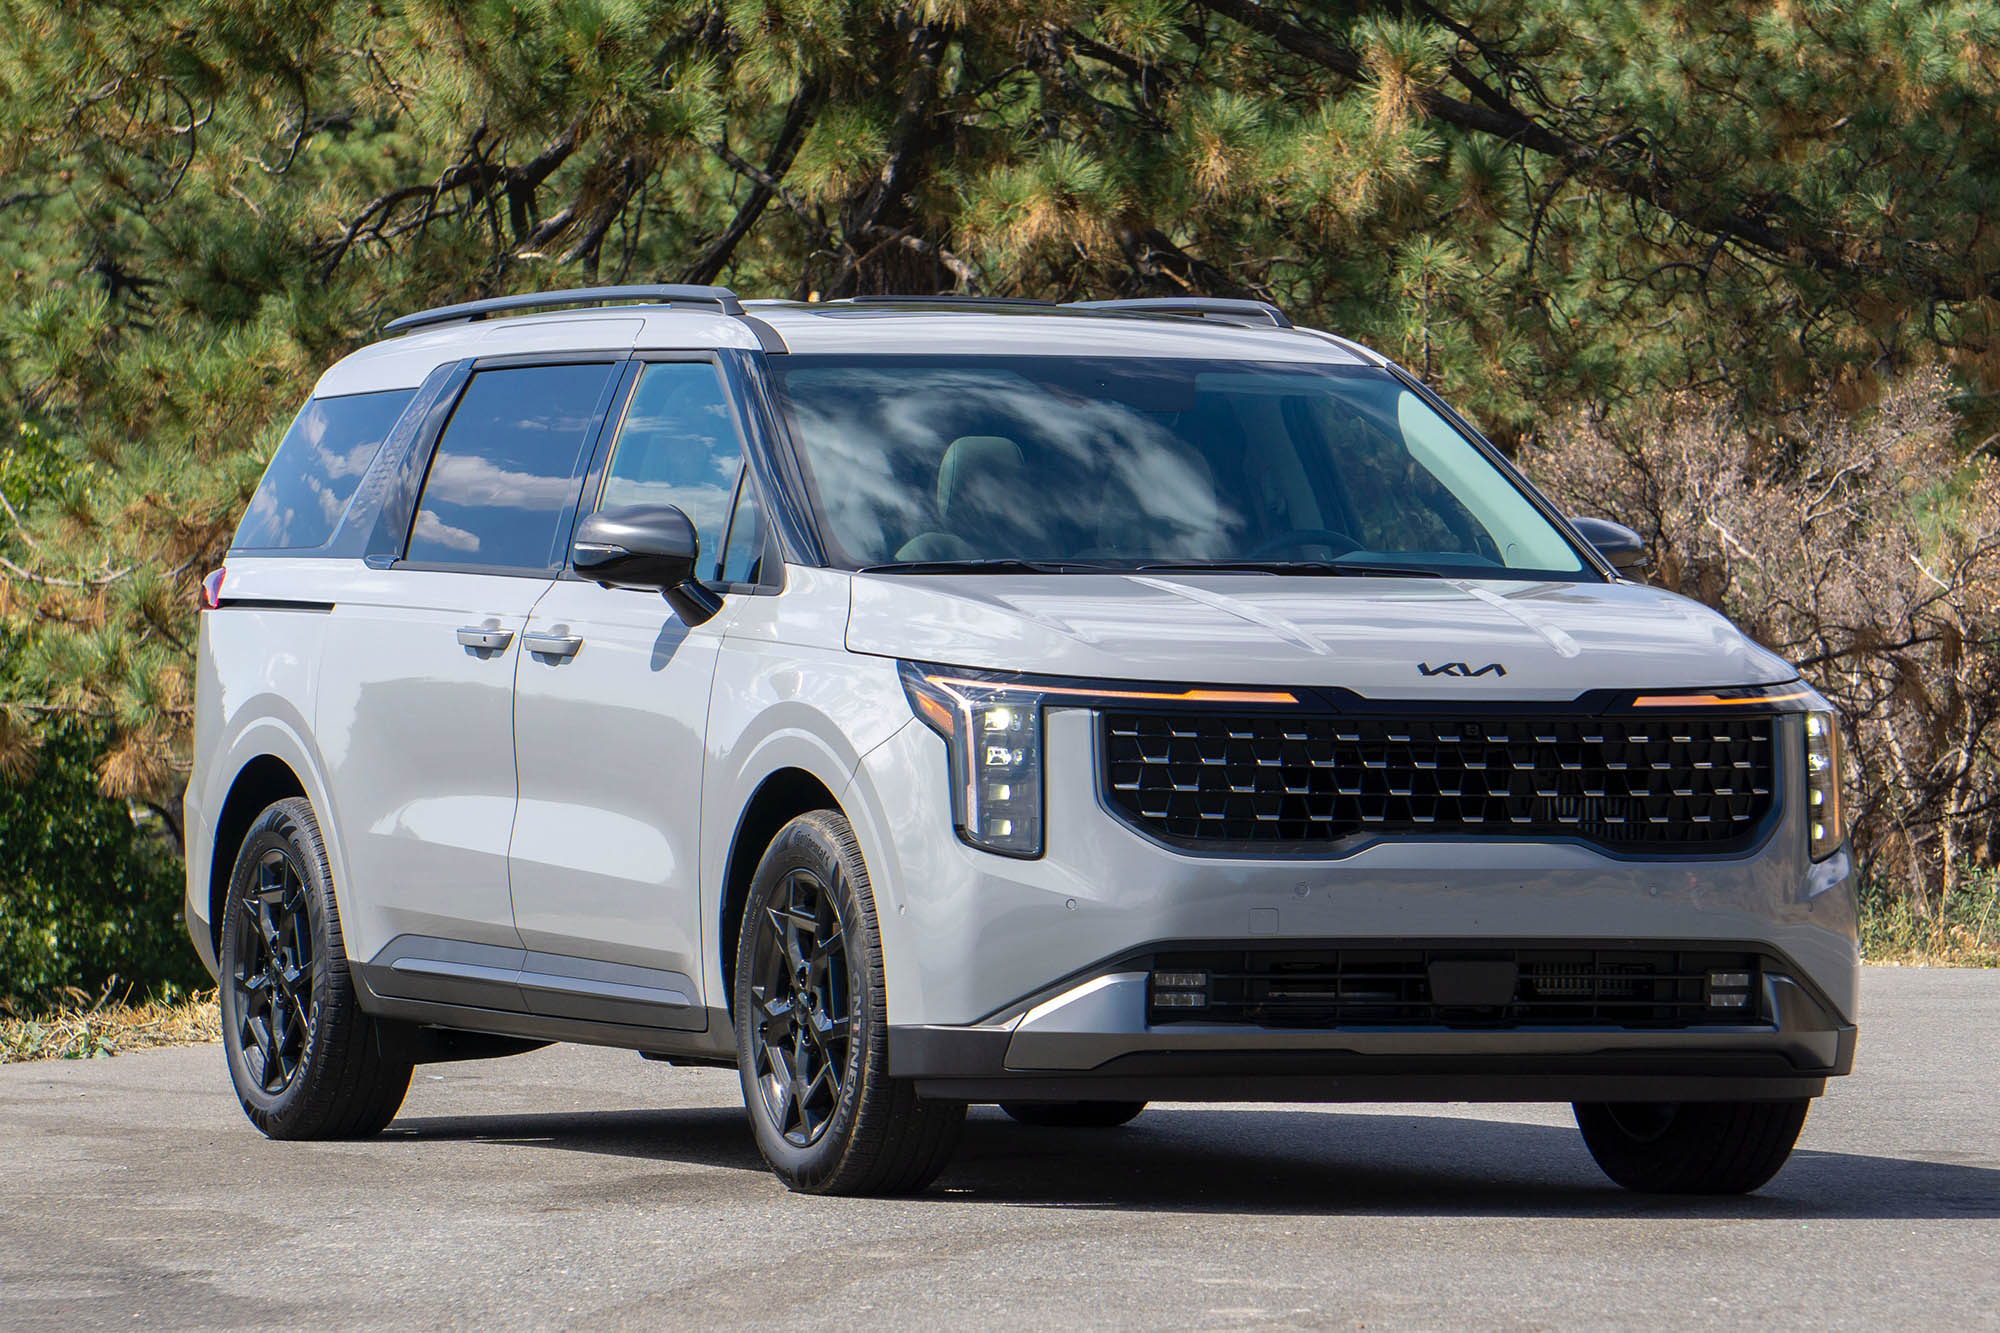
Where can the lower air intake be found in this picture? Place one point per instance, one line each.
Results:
(1470, 988)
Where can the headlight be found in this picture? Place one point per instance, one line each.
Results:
(994, 733)
(1826, 818)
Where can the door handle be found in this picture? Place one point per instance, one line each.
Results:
(552, 645)
(476, 636)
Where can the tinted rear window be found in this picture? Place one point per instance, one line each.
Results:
(316, 469)
(506, 472)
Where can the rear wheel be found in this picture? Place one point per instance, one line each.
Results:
(812, 1029)
(306, 1061)
(1691, 1147)
(1073, 1115)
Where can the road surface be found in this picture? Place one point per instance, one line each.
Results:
(583, 1186)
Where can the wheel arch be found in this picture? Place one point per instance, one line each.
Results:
(782, 796)
(260, 782)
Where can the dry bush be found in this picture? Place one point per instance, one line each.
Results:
(80, 1029)
(1862, 546)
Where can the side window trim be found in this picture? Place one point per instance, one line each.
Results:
(392, 487)
(773, 457)
(440, 418)
(729, 524)
(771, 564)
(590, 487)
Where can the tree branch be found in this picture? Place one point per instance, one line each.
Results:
(798, 117)
(1650, 184)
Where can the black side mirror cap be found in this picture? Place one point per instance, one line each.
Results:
(1623, 548)
(654, 547)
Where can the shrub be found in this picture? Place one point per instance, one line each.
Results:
(1863, 547)
(88, 898)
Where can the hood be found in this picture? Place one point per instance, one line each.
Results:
(1374, 636)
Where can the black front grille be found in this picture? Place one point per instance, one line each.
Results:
(1512, 988)
(1636, 782)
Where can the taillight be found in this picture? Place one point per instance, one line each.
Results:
(211, 590)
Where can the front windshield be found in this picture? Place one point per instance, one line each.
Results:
(916, 460)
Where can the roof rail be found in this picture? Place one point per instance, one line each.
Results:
(1249, 314)
(950, 298)
(721, 298)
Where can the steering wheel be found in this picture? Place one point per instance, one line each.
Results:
(1288, 541)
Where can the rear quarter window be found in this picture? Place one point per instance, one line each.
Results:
(311, 478)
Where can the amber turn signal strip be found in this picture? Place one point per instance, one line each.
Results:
(1716, 700)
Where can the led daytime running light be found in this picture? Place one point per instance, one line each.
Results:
(1193, 696)
(1826, 815)
(993, 733)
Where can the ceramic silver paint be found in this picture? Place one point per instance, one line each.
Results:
(1369, 635)
(586, 807)
(609, 749)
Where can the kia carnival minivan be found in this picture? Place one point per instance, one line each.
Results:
(913, 704)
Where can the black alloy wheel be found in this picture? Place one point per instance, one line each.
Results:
(307, 1062)
(801, 1007)
(812, 1026)
(272, 973)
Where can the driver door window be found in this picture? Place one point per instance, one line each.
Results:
(678, 446)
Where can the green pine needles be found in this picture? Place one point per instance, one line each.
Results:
(1542, 206)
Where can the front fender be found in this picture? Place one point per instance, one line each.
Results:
(763, 720)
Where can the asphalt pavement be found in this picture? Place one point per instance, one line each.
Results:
(577, 1186)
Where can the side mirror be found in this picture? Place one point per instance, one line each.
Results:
(1618, 544)
(645, 546)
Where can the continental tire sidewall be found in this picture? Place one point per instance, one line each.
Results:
(813, 843)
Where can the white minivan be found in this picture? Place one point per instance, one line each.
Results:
(917, 703)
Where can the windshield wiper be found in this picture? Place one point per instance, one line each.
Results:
(1013, 565)
(997, 565)
(1328, 568)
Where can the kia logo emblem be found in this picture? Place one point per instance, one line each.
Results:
(1461, 669)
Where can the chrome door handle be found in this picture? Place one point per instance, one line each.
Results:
(552, 645)
(475, 636)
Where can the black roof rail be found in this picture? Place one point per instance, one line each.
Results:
(1227, 310)
(721, 298)
(949, 299)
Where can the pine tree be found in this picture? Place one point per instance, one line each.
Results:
(1543, 205)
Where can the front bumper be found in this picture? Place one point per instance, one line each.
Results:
(1093, 1040)
(970, 938)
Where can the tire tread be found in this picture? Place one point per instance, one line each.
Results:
(1708, 1148)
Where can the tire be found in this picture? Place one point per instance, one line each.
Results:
(306, 1061)
(1073, 1115)
(1691, 1147)
(826, 1114)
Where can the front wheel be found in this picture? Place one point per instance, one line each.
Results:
(812, 1027)
(1691, 1147)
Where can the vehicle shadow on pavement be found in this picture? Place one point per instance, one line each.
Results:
(704, 1136)
(1302, 1162)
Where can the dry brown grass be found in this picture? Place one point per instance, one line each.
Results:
(82, 1029)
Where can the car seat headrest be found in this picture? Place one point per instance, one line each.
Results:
(980, 474)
